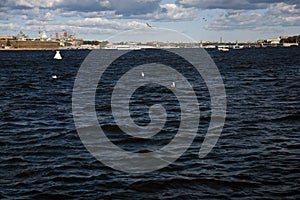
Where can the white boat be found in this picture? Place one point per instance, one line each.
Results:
(210, 47)
(124, 47)
(238, 47)
(129, 48)
(223, 48)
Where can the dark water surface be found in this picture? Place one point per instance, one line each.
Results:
(257, 155)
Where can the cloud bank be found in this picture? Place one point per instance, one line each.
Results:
(111, 16)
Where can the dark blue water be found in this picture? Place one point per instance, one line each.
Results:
(257, 155)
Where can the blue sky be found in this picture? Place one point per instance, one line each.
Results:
(203, 20)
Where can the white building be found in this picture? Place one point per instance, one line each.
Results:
(274, 41)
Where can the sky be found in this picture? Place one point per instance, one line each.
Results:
(202, 20)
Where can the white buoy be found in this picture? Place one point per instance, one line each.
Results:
(173, 85)
(54, 76)
(142, 74)
(57, 56)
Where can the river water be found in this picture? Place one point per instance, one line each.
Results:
(257, 155)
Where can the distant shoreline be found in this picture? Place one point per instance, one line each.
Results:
(39, 49)
(204, 47)
(20, 49)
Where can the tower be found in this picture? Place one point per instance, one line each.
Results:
(43, 35)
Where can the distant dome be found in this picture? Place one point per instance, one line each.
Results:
(44, 36)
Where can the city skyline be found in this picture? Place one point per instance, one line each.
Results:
(202, 20)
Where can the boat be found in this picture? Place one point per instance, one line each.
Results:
(210, 47)
(223, 48)
(124, 47)
(128, 48)
(237, 46)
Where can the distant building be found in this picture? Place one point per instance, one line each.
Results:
(61, 35)
(44, 36)
(5, 37)
(5, 40)
(21, 36)
(18, 44)
(65, 36)
(274, 41)
(269, 42)
(284, 37)
(77, 42)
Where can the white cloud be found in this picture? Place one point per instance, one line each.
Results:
(29, 3)
(169, 12)
(175, 12)
(278, 14)
(134, 7)
(284, 9)
(223, 4)
(284, 14)
(10, 26)
(236, 20)
(105, 24)
(111, 16)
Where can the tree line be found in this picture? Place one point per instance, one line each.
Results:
(293, 39)
(95, 42)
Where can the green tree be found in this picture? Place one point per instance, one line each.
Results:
(103, 43)
(293, 39)
(93, 42)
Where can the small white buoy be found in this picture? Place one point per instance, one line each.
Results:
(54, 76)
(173, 85)
(142, 74)
(57, 56)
